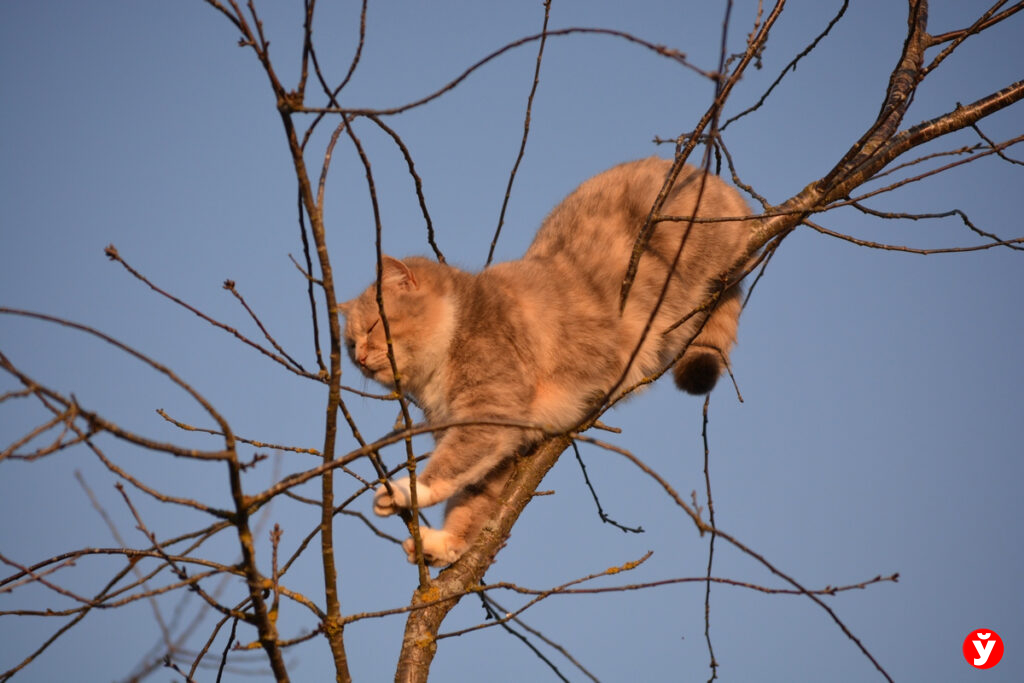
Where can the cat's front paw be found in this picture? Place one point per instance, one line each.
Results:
(400, 497)
(389, 502)
(440, 548)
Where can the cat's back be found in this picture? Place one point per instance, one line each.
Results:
(599, 207)
(604, 215)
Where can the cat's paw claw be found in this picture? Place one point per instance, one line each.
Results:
(440, 548)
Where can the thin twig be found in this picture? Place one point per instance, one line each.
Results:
(252, 442)
(417, 184)
(492, 614)
(157, 615)
(230, 286)
(526, 133)
(600, 510)
(790, 67)
(113, 255)
(711, 543)
(227, 647)
(909, 250)
(611, 571)
(550, 643)
(661, 50)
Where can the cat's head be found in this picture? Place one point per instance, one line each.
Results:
(419, 318)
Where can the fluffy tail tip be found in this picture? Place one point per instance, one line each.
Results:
(697, 372)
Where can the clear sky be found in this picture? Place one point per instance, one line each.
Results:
(880, 430)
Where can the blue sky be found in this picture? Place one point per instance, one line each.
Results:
(880, 428)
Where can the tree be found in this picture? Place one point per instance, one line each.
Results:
(893, 153)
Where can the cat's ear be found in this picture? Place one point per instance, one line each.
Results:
(397, 274)
(345, 306)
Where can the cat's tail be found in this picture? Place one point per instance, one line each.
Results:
(698, 370)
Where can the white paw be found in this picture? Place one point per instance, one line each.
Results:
(440, 548)
(385, 503)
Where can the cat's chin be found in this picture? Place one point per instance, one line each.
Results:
(381, 376)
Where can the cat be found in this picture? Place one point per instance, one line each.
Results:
(541, 341)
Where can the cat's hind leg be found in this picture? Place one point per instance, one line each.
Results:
(698, 370)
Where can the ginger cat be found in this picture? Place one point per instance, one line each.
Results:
(541, 341)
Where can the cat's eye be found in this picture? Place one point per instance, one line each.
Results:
(370, 328)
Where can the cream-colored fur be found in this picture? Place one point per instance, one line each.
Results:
(541, 340)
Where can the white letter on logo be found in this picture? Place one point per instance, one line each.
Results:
(983, 651)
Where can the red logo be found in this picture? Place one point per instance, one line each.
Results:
(983, 648)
